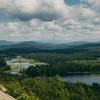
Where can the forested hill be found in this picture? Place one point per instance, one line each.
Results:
(33, 47)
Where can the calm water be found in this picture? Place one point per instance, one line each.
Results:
(88, 79)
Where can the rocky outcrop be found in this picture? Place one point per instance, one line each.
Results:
(4, 96)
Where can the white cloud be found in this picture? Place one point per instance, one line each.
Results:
(59, 30)
(41, 9)
(51, 20)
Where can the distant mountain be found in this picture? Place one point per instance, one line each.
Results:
(35, 45)
(26, 44)
(48, 46)
(4, 42)
(31, 44)
(28, 47)
(8, 44)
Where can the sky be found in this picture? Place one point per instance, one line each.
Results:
(50, 20)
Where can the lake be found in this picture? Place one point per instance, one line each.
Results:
(88, 79)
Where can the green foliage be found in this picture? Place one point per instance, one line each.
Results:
(3, 65)
(17, 90)
(2, 62)
(42, 88)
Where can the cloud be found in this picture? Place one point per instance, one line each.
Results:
(54, 31)
(46, 10)
(50, 20)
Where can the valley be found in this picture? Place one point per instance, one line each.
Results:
(51, 72)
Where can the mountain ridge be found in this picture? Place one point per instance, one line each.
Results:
(39, 45)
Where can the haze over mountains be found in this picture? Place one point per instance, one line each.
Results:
(28, 47)
(4, 42)
(48, 46)
(38, 45)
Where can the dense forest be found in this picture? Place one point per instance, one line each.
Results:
(43, 82)
(61, 64)
(3, 65)
(42, 88)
